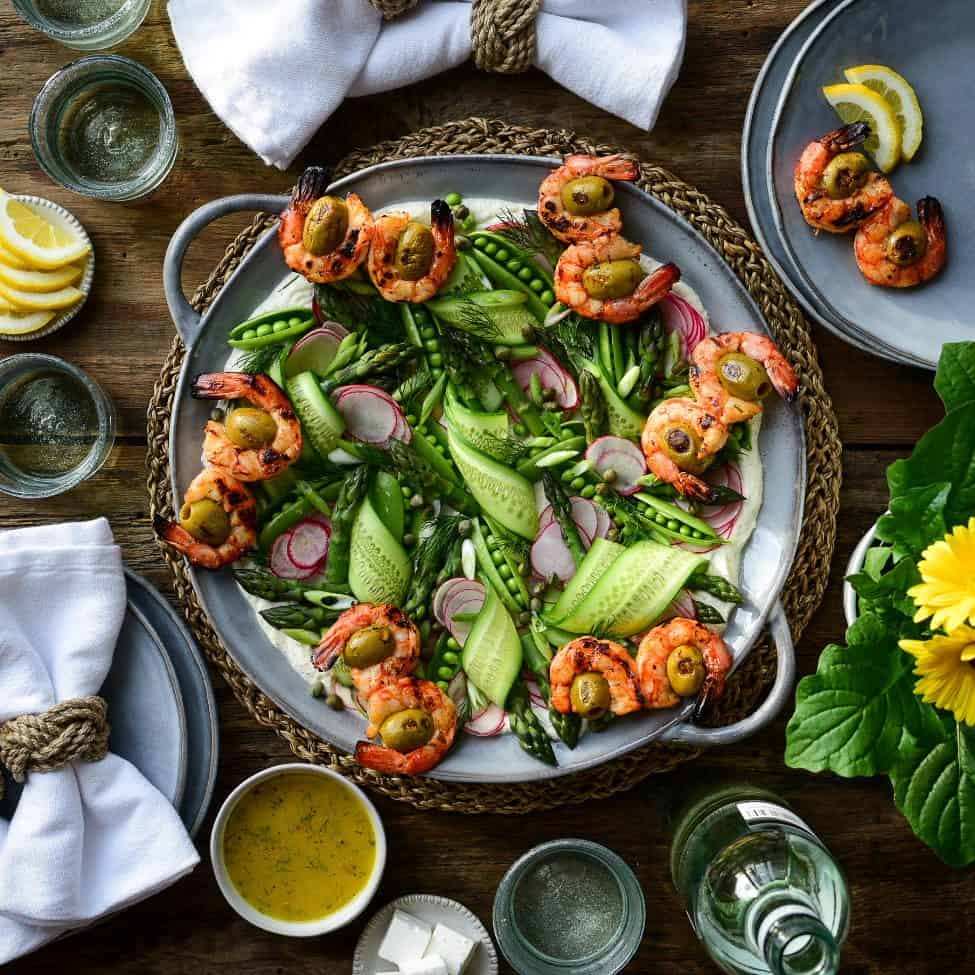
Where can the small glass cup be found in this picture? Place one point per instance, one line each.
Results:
(69, 98)
(94, 25)
(42, 420)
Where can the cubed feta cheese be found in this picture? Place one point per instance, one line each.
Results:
(455, 948)
(406, 939)
(427, 965)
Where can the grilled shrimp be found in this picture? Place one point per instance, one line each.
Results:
(591, 676)
(681, 658)
(835, 187)
(323, 237)
(679, 441)
(894, 251)
(253, 444)
(380, 643)
(603, 279)
(731, 373)
(217, 522)
(410, 261)
(575, 201)
(417, 722)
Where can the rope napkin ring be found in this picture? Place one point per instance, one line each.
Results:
(74, 730)
(393, 8)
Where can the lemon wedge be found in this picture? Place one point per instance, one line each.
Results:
(12, 260)
(35, 240)
(39, 281)
(901, 97)
(34, 301)
(858, 103)
(20, 323)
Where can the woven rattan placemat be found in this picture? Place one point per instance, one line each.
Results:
(804, 588)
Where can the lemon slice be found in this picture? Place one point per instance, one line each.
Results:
(34, 239)
(39, 281)
(20, 323)
(32, 301)
(12, 260)
(901, 97)
(858, 103)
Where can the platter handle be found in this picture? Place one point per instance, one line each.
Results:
(185, 317)
(689, 734)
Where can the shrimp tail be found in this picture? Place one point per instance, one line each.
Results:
(693, 487)
(932, 217)
(325, 654)
(219, 385)
(386, 760)
(657, 285)
(712, 690)
(311, 185)
(441, 216)
(847, 137)
(169, 531)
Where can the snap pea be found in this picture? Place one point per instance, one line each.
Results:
(532, 469)
(433, 398)
(349, 349)
(425, 447)
(516, 567)
(488, 570)
(445, 662)
(616, 347)
(270, 329)
(699, 529)
(508, 267)
(314, 498)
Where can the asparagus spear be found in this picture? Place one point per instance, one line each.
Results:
(536, 657)
(299, 617)
(593, 406)
(352, 492)
(707, 614)
(259, 580)
(411, 466)
(374, 362)
(432, 553)
(562, 509)
(526, 726)
(716, 586)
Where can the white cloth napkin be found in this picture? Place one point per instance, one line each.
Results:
(92, 837)
(274, 72)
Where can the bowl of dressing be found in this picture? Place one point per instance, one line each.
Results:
(298, 850)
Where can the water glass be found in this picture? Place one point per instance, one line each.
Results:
(85, 25)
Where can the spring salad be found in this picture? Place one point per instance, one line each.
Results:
(474, 460)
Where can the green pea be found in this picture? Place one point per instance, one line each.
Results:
(421, 316)
(442, 450)
(589, 491)
(685, 530)
(452, 644)
(512, 585)
(411, 419)
(445, 672)
(537, 285)
(249, 334)
(547, 298)
(469, 224)
(443, 685)
(492, 543)
(280, 325)
(452, 199)
(567, 475)
(697, 534)
(450, 657)
(577, 484)
(436, 360)
(406, 491)
(491, 248)
(565, 434)
(497, 557)
(479, 242)
(660, 519)
(428, 332)
(515, 266)
(294, 320)
(431, 345)
(525, 274)
(264, 329)
(502, 255)
(504, 570)
(673, 524)
(519, 429)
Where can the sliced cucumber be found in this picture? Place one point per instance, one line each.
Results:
(496, 316)
(623, 420)
(379, 568)
(503, 493)
(634, 591)
(492, 652)
(480, 430)
(598, 560)
(464, 274)
(320, 420)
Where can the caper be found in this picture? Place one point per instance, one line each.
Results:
(610, 476)
(743, 376)
(417, 501)
(369, 646)
(845, 174)
(206, 521)
(335, 702)
(587, 195)
(590, 695)
(414, 251)
(409, 540)
(462, 243)
(681, 444)
(406, 730)
(906, 244)
(685, 670)
(326, 225)
(251, 428)
(612, 279)
(461, 212)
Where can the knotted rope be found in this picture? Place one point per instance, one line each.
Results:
(503, 34)
(74, 730)
(393, 8)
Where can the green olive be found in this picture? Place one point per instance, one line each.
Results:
(251, 428)
(613, 279)
(589, 695)
(845, 174)
(406, 730)
(743, 376)
(587, 195)
(907, 244)
(326, 225)
(369, 646)
(685, 670)
(681, 444)
(414, 251)
(206, 521)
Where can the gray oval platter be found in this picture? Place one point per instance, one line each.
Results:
(934, 52)
(767, 558)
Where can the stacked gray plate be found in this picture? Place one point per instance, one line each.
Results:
(787, 110)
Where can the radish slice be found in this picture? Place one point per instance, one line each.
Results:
(371, 415)
(551, 556)
(722, 518)
(486, 723)
(551, 375)
(308, 544)
(619, 455)
(682, 317)
(603, 522)
(314, 351)
(281, 564)
(584, 514)
(456, 597)
(534, 694)
(457, 690)
(683, 605)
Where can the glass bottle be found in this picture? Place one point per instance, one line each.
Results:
(761, 890)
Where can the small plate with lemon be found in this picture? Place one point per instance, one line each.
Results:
(46, 267)
(908, 74)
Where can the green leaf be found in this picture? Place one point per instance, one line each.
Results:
(858, 712)
(890, 588)
(876, 559)
(916, 519)
(934, 787)
(955, 379)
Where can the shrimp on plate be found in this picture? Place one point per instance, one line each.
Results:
(217, 522)
(416, 722)
(324, 237)
(894, 251)
(254, 443)
(733, 372)
(603, 279)
(835, 186)
(410, 261)
(590, 676)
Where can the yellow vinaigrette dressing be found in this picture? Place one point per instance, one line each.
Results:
(299, 846)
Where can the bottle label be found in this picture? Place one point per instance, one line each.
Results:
(757, 812)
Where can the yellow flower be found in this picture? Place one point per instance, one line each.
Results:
(946, 666)
(947, 592)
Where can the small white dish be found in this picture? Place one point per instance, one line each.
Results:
(62, 217)
(433, 910)
(294, 929)
(850, 607)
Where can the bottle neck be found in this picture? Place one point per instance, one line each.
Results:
(794, 941)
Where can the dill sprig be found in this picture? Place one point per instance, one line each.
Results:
(411, 391)
(475, 320)
(571, 338)
(509, 544)
(530, 234)
(361, 312)
(260, 360)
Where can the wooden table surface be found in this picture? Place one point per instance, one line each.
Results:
(909, 911)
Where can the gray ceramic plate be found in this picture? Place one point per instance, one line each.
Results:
(935, 53)
(766, 560)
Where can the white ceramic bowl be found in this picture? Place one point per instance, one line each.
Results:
(295, 929)
(850, 610)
